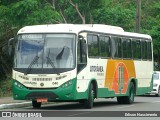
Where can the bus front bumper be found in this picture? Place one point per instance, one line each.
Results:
(62, 93)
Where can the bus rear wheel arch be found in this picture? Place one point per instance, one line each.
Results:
(130, 98)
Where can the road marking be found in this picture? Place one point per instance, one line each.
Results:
(15, 105)
(79, 113)
(126, 106)
(155, 101)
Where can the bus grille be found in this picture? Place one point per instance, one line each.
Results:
(41, 79)
(35, 95)
(29, 88)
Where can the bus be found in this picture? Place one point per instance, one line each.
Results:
(81, 63)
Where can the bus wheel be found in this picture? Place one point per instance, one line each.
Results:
(130, 98)
(120, 100)
(158, 95)
(89, 102)
(36, 104)
(81, 101)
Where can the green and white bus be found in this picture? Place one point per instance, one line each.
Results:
(69, 62)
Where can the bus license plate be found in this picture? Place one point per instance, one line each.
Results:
(42, 100)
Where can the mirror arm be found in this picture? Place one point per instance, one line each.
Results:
(9, 41)
(10, 45)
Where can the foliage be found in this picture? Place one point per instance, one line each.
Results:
(28, 12)
(5, 87)
(115, 16)
(18, 13)
(151, 24)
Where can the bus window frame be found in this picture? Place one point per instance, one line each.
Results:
(135, 40)
(148, 58)
(127, 38)
(145, 41)
(110, 56)
(119, 37)
(93, 34)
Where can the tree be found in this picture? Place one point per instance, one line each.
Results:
(77, 10)
(16, 14)
(120, 14)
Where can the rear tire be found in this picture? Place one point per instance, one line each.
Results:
(127, 99)
(130, 98)
(36, 104)
(120, 100)
(89, 102)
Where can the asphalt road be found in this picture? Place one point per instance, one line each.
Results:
(142, 103)
(102, 108)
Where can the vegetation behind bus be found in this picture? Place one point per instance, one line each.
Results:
(16, 14)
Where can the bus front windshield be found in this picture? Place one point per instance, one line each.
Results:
(45, 51)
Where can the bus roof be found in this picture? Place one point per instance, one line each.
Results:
(76, 28)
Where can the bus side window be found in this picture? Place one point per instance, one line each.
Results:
(136, 46)
(81, 54)
(149, 51)
(93, 46)
(144, 50)
(105, 47)
(126, 47)
(116, 47)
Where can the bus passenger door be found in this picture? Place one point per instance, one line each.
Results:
(81, 65)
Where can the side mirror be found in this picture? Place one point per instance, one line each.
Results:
(11, 42)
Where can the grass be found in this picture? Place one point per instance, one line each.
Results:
(6, 87)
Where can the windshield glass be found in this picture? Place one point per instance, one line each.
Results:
(51, 51)
(156, 76)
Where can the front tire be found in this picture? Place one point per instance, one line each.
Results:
(89, 102)
(36, 104)
(81, 101)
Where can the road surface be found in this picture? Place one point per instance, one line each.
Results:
(102, 107)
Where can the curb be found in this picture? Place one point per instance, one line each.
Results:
(15, 105)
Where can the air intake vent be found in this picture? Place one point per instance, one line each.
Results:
(41, 79)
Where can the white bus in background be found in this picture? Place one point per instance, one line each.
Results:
(67, 62)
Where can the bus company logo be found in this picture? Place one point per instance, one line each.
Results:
(6, 114)
(42, 84)
(96, 69)
(121, 77)
(24, 77)
(30, 83)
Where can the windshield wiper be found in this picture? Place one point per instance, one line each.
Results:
(59, 56)
(51, 63)
(32, 63)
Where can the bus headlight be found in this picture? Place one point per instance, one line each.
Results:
(67, 84)
(18, 85)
